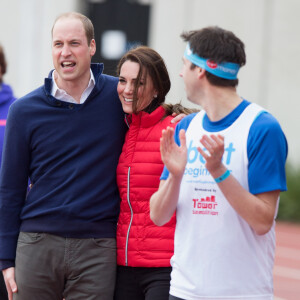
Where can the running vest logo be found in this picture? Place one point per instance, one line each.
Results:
(194, 155)
(205, 206)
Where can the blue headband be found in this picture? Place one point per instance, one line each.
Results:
(225, 70)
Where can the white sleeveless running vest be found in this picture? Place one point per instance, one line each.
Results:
(217, 254)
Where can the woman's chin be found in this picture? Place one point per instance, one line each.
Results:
(127, 108)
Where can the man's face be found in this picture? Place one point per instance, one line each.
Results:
(190, 80)
(71, 53)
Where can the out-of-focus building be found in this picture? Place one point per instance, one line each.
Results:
(269, 29)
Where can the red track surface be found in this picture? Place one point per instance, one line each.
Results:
(287, 262)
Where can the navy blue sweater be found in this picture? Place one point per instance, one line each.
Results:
(70, 153)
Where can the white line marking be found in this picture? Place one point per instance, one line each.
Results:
(287, 252)
(286, 272)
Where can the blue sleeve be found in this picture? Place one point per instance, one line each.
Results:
(267, 152)
(183, 124)
(13, 183)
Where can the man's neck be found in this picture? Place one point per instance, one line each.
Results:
(219, 102)
(73, 88)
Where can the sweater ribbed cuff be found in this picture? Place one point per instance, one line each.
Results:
(5, 264)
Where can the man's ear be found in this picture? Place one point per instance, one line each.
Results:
(92, 47)
(201, 72)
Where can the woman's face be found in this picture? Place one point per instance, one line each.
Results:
(127, 78)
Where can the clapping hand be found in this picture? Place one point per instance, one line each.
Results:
(173, 156)
(214, 145)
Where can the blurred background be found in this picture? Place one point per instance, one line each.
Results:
(269, 29)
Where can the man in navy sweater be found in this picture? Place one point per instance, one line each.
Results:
(58, 239)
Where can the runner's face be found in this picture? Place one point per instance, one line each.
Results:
(127, 79)
(190, 80)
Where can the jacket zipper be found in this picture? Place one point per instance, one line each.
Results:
(126, 121)
(131, 211)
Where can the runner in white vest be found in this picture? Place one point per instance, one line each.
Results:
(223, 175)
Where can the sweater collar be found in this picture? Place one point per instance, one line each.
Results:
(99, 83)
(147, 120)
(97, 70)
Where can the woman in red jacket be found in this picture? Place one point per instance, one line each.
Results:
(143, 249)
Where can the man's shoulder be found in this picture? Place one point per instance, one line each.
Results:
(109, 80)
(107, 84)
(266, 122)
(267, 134)
(110, 77)
(186, 121)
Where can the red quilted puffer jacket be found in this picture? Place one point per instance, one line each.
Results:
(140, 243)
